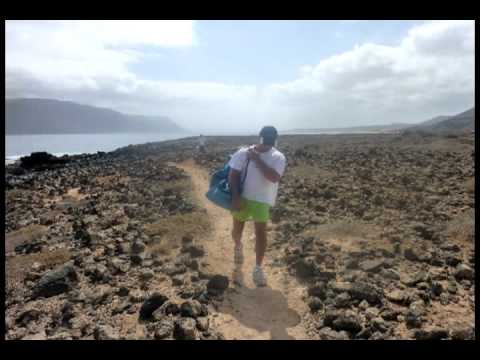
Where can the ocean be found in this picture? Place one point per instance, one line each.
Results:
(17, 146)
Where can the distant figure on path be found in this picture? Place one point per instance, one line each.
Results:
(201, 143)
(266, 166)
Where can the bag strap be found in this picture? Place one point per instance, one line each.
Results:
(246, 170)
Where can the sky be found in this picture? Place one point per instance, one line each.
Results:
(236, 76)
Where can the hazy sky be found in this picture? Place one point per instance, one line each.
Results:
(240, 75)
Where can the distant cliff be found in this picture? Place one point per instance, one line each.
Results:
(46, 116)
(462, 122)
(459, 123)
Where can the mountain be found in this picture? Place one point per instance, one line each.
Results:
(440, 124)
(434, 120)
(355, 129)
(462, 122)
(47, 116)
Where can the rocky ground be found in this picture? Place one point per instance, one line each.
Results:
(105, 247)
(378, 228)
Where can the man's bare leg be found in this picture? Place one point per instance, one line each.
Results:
(237, 232)
(260, 241)
(260, 247)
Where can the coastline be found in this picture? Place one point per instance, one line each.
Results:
(75, 144)
(12, 159)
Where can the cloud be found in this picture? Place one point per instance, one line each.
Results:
(430, 72)
(442, 38)
(79, 50)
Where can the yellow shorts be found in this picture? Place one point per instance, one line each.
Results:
(252, 210)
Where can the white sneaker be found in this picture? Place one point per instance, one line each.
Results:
(259, 276)
(238, 255)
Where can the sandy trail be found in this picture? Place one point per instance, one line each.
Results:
(247, 312)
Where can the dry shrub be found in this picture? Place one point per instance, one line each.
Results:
(15, 194)
(304, 171)
(347, 229)
(349, 235)
(159, 249)
(112, 179)
(462, 227)
(470, 186)
(183, 185)
(24, 235)
(74, 194)
(172, 229)
(17, 266)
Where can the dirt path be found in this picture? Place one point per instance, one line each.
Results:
(247, 312)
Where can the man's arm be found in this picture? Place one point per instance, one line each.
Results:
(234, 181)
(267, 171)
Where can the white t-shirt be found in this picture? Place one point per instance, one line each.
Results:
(256, 186)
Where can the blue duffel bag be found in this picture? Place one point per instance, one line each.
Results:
(219, 190)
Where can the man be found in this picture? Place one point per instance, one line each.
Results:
(266, 166)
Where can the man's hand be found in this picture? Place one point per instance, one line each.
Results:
(236, 203)
(253, 155)
(268, 172)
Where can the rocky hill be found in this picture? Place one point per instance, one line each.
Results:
(47, 116)
(434, 120)
(382, 128)
(463, 122)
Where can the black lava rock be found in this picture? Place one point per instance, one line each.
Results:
(56, 282)
(217, 284)
(151, 304)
